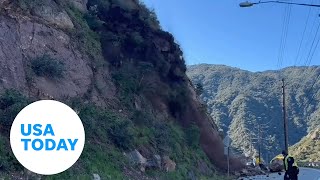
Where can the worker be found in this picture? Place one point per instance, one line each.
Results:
(290, 166)
(258, 161)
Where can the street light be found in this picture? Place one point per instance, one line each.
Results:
(249, 4)
(246, 4)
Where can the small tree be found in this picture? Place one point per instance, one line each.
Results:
(47, 66)
(199, 89)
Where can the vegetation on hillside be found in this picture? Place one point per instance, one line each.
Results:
(47, 67)
(108, 136)
(307, 150)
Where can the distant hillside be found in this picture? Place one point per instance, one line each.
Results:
(240, 100)
(307, 150)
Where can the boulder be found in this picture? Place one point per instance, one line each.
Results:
(96, 177)
(154, 163)
(157, 159)
(80, 4)
(137, 159)
(315, 135)
(168, 164)
(276, 165)
(249, 171)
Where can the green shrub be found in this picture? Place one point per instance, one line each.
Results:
(121, 132)
(11, 103)
(136, 39)
(11, 97)
(47, 66)
(127, 88)
(199, 89)
(169, 138)
(107, 127)
(84, 38)
(141, 118)
(93, 22)
(7, 160)
(193, 136)
(127, 80)
(145, 136)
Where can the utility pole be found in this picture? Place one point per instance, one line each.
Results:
(285, 121)
(251, 144)
(227, 143)
(228, 159)
(259, 134)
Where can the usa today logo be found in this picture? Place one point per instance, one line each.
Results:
(47, 137)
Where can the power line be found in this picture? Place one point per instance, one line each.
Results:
(303, 35)
(309, 58)
(309, 39)
(309, 62)
(302, 39)
(285, 28)
(311, 48)
(282, 35)
(314, 50)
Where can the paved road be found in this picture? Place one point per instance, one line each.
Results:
(305, 174)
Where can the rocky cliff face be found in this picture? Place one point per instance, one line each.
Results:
(125, 76)
(29, 35)
(25, 40)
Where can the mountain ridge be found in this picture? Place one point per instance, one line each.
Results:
(191, 66)
(239, 100)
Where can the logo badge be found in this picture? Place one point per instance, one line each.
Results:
(47, 137)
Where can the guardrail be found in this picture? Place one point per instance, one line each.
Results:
(309, 164)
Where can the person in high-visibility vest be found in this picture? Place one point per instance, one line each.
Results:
(290, 166)
(258, 160)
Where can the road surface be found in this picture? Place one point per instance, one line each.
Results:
(305, 174)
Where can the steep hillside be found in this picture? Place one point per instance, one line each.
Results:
(112, 63)
(239, 101)
(307, 150)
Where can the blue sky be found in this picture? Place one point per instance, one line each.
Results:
(220, 32)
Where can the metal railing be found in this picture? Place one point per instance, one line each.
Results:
(309, 164)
